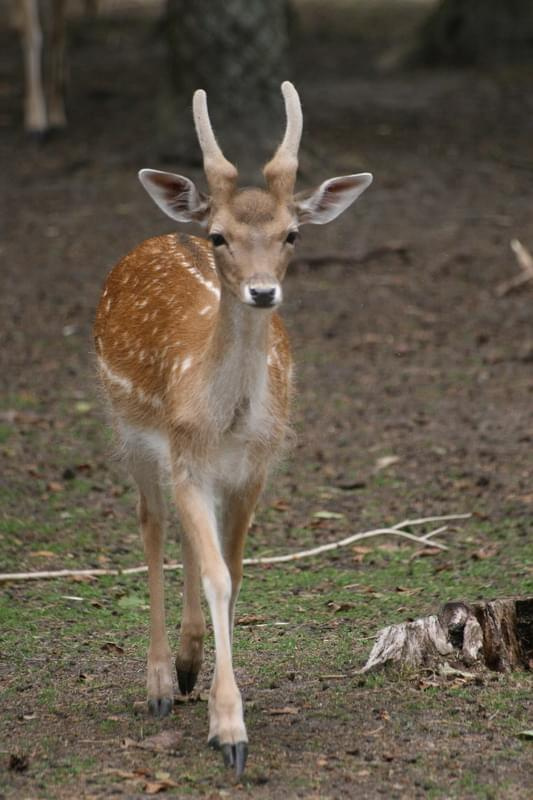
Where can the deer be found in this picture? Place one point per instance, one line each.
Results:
(196, 365)
(42, 25)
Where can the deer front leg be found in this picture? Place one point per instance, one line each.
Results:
(152, 522)
(226, 724)
(191, 649)
(238, 511)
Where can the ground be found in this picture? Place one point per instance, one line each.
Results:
(411, 354)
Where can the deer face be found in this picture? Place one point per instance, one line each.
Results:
(253, 237)
(253, 231)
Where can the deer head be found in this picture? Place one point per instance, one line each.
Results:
(253, 231)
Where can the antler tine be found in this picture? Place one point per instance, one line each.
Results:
(220, 173)
(280, 172)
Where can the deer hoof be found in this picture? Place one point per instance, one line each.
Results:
(160, 706)
(235, 756)
(186, 680)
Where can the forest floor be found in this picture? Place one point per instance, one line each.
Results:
(415, 398)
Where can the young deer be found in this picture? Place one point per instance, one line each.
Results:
(197, 369)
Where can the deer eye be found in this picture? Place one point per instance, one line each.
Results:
(217, 240)
(291, 237)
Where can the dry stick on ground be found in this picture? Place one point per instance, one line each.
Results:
(525, 262)
(497, 634)
(395, 530)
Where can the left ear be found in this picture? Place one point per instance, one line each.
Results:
(176, 195)
(332, 197)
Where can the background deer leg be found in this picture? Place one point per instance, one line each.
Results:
(190, 653)
(56, 67)
(34, 100)
(152, 522)
(227, 731)
(238, 512)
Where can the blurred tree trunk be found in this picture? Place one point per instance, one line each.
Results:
(237, 51)
(477, 31)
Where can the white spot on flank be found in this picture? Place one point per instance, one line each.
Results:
(150, 399)
(201, 279)
(143, 303)
(205, 310)
(108, 305)
(186, 364)
(118, 380)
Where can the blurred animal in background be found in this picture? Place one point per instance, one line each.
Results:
(42, 27)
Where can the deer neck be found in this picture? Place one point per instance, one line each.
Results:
(237, 360)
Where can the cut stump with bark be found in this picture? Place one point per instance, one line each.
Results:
(496, 634)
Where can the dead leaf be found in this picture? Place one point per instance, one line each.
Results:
(281, 505)
(345, 606)
(154, 787)
(425, 552)
(18, 762)
(55, 486)
(112, 647)
(409, 590)
(384, 462)
(249, 619)
(328, 515)
(487, 551)
(361, 549)
(279, 712)
(42, 554)
(162, 742)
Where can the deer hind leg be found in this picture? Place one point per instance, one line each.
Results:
(56, 67)
(152, 522)
(191, 649)
(239, 506)
(227, 731)
(35, 120)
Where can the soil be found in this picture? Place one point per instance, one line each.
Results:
(411, 354)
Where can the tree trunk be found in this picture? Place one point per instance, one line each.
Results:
(465, 32)
(496, 634)
(237, 51)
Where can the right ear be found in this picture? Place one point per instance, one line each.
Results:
(176, 195)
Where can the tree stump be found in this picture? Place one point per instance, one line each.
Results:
(496, 634)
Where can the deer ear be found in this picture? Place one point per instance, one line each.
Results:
(176, 195)
(330, 199)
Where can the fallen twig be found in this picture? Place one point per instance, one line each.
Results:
(525, 262)
(395, 530)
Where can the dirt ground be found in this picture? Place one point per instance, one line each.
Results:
(411, 354)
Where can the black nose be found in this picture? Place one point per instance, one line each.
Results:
(264, 298)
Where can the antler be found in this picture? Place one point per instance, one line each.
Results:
(280, 172)
(220, 173)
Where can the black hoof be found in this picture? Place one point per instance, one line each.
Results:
(235, 756)
(214, 743)
(160, 706)
(186, 680)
